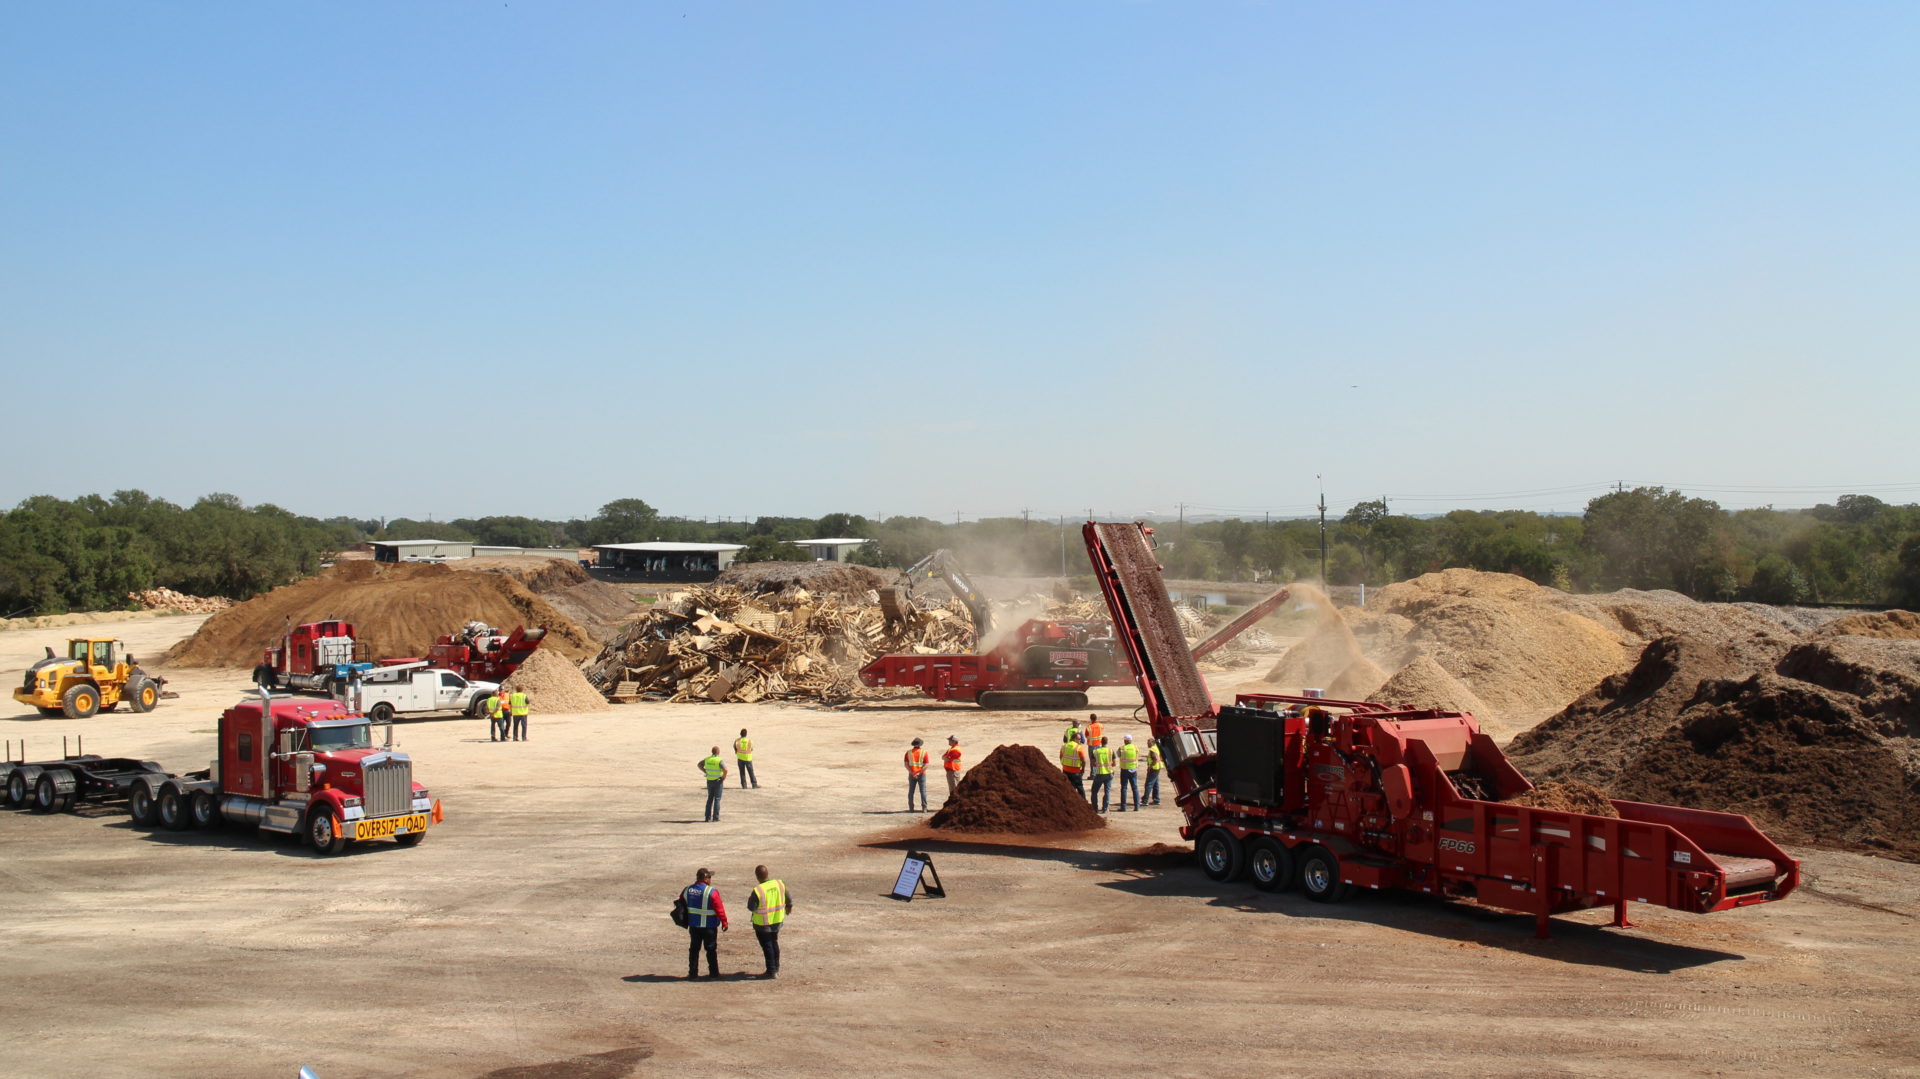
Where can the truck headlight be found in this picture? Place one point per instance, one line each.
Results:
(350, 801)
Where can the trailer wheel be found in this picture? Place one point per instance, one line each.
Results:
(321, 833)
(1270, 864)
(47, 795)
(174, 814)
(205, 809)
(263, 675)
(1320, 876)
(411, 839)
(140, 804)
(80, 702)
(20, 785)
(1221, 855)
(141, 694)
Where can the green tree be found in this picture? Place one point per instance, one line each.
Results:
(1359, 526)
(768, 548)
(624, 520)
(1905, 589)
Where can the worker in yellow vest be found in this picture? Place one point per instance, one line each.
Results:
(491, 709)
(743, 756)
(1154, 767)
(499, 716)
(916, 774)
(517, 705)
(1129, 772)
(1101, 795)
(1073, 732)
(1073, 761)
(770, 903)
(715, 770)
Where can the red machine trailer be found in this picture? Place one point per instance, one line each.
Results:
(322, 657)
(1343, 795)
(479, 652)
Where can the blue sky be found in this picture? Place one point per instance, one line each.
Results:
(741, 259)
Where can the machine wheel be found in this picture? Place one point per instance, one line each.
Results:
(381, 712)
(1270, 864)
(321, 833)
(140, 693)
(174, 813)
(1222, 857)
(140, 804)
(1320, 876)
(47, 797)
(205, 809)
(20, 785)
(80, 702)
(411, 839)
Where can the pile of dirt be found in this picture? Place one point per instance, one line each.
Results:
(1329, 658)
(166, 599)
(397, 610)
(595, 606)
(1425, 684)
(553, 683)
(1567, 796)
(1016, 789)
(1886, 625)
(1818, 741)
(840, 580)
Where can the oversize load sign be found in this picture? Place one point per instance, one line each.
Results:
(389, 826)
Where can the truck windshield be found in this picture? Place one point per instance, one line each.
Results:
(351, 736)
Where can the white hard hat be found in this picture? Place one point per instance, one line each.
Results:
(1126, 738)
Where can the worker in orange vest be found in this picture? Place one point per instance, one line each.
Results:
(1073, 761)
(951, 760)
(1094, 734)
(916, 774)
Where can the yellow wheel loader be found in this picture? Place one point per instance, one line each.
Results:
(95, 675)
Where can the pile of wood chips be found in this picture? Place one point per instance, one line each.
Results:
(166, 599)
(718, 644)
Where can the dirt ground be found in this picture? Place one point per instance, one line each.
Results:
(528, 936)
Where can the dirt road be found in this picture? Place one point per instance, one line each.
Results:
(528, 936)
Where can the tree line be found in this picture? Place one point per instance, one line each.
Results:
(88, 553)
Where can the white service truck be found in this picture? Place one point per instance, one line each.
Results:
(412, 688)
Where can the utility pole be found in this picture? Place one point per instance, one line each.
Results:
(1323, 531)
(1063, 545)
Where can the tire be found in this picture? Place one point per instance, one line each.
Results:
(204, 808)
(381, 712)
(321, 834)
(1320, 876)
(173, 812)
(52, 712)
(47, 797)
(263, 675)
(411, 839)
(1222, 857)
(141, 694)
(476, 709)
(80, 701)
(141, 805)
(20, 785)
(1270, 864)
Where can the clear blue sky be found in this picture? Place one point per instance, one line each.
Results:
(750, 258)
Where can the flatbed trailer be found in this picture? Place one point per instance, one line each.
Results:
(54, 786)
(1339, 796)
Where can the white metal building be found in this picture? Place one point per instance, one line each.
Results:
(829, 550)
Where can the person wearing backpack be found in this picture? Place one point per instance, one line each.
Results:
(706, 920)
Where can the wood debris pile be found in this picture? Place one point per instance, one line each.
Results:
(719, 644)
(166, 599)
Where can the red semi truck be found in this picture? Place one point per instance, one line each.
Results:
(299, 767)
(1345, 795)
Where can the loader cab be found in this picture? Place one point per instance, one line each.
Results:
(92, 652)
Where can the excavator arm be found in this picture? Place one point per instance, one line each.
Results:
(943, 565)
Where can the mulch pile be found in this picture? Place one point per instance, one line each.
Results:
(1567, 796)
(553, 683)
(1016, 789)
(595, 606)
(839, 580)
(166, 599)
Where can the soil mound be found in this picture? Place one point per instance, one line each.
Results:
(1567, 796)
(1016, 789)
(838, 580)
(1425, 684)
(1886, 625)
(595, 606)
(166, 599)
(398, 610)
(553, 683)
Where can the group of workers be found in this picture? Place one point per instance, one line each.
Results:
(506, 714)
(917, 769)
(715, 771)
(1085, 752)
(768, 904)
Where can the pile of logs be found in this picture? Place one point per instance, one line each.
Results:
(166, 599)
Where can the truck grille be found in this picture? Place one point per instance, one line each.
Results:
(389, 787)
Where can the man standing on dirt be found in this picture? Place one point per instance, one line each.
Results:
(951, 760)
(715, 770)
(1154, 767)
(1095, 736)
(916, 774)
(1129, 772)
(1073, 732)
(743, 756)
(1073, 762)
(1102, 793)
(491, 709)
(770, 903)
(517, 705)
(706, 918)
(498, 714)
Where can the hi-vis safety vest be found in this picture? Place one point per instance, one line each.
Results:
(1153, 758)
(743, 748)
(1129, 756)
(700, 913)
(1070, 756)
(1072, 735)
(492, 706)
(1093, 734)
(772, 909)
(916, 761)
(518, 703)
(1103, 760)
(715, 770)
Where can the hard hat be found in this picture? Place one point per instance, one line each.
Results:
(1126, 738)
(916, 741)
(953, 738)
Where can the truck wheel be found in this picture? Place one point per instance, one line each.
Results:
(381, 712)
(80, 702)
(141, 694)
(411, 839)
(1320, 876)
(321, 833)
(205, 809)
(1221, 855)
(140, 804)
(20, 785)
(47, 797)
(263, 676)
(174, 814)
(1270, 864)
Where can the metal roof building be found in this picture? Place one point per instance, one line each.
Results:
(662, 560)
(830, 550)
(420, 550)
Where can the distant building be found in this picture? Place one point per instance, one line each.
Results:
(829, 550)
(422, 550)
(664, 561)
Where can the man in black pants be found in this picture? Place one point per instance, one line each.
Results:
(770, 904)
(706, 917)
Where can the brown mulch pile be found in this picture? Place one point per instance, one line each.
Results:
(166, 599)
(1016, 789)
(1567, 796)
(553, 683)
(840, 580)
